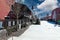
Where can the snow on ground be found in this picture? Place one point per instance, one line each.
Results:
(45, 31)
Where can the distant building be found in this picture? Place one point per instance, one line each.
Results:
(55, 14)
(24, 13)
(10, 18)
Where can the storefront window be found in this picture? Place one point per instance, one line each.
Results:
(13, 22)
(9, 23)
(1, 25)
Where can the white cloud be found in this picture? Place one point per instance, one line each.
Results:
(48, 5)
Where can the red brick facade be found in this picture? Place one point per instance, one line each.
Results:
(57, 11)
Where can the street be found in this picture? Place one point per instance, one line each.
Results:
(45, 31)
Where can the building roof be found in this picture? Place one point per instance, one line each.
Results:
(21, 8)
(4, 9)
(57, 10)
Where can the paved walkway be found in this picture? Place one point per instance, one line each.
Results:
(3, 34)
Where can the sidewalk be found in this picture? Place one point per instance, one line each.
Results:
(3, 34)
(19, 32)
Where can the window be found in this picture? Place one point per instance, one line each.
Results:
(54, 16)
(9, 23)
(1, 24)
(13, 22)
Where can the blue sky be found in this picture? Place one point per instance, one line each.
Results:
(58, 0)
(50, 5)
(41, 6)
(32, 2)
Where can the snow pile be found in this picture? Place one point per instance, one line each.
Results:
(45, 31)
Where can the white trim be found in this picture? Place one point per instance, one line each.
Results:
(9, 23)
(54, 15)
(13, 22)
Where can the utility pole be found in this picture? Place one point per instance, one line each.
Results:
(36, 19)
(17, 20)
(17, 16)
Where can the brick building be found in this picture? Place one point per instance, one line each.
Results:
(5, 7)
(56, 14)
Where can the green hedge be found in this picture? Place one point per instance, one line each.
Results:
(58, 20)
